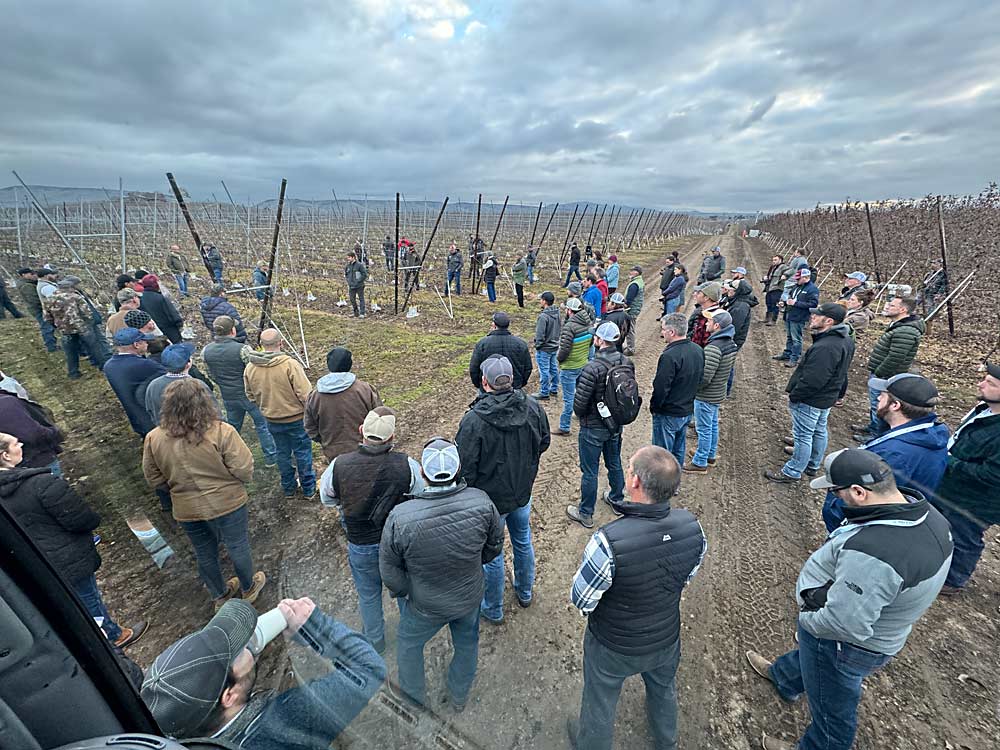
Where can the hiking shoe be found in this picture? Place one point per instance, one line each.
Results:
(131, 635)
(790, 450)
(780, 358)
(574, 513)
(788, 441)
(771, 743)
(779, 477)
(760, 665)
(947, 590)
(540, 396)
(523, 603)
(259, 579)
(690, 468)
(607, 499)
(810, 472)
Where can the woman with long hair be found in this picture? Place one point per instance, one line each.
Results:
(673, 295)
(61, 525)
(206, 465)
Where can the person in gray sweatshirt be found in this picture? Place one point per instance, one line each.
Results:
(858, 595)
(547, 331)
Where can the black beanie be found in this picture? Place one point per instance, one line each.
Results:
(339, 360)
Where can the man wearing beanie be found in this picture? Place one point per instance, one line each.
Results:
(224, 360)
(817, 383)
(501, 341)
(203, 684)
(969, 493)
(279, 386)
(366, 484)
(547, 330)
(802, 297)
(500, 440)
(338, 405)
(720, 356)
(599, 435)
(160, 309)
(706, 299)
(431, 557)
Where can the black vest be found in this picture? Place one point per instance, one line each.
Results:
(370, 482)
(655, 548)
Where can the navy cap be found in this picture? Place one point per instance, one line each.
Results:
(128, 336)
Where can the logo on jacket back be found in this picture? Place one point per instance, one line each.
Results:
(666, 538)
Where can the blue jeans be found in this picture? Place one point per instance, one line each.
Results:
(570, 272)
(415, 629)
(876, 426)
(593, 443)
(793, 339)
(671, 305)
(48, 332)
(90, 595)
(75, 344)
(491, 291)
(605, 670)
(548, 372)
(231, 529)
(732, 379)
(567, 379)
(809, 432)
(830, 673)
(519, 527)
(671, 433)
(182, 282)
(217, 275)
(455, 276)
(237, 409)
(531, 274)
(967, 536)
(363, 559)
(292, 442)
(706, 422)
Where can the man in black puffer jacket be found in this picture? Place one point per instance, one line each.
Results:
(431, 556)
(737, 299)
(61, 525)
(500, 440)
(215, 305)
(501, 341)
(596, 439)
(813, 389)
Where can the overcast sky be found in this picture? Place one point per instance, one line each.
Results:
(712, 105)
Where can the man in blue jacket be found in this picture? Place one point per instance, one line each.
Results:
(129, 372)
(802, 297)
(916, 444)
(592, 294)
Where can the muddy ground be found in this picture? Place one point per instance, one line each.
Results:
(940, 692)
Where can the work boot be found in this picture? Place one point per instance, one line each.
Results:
(259, 579)
(132, 634)
(771, 743)
(574, 513)
(232, 586)
(692, 468)
(779, 477)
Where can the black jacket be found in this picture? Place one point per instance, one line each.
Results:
(370, 482)
(656, 550)
(819, 379)
(678, 376)
(163, 313)
(500, 440)
(501, 341)
(739, 307)
(57, 519)
(621, 319)
(28, 422)
(590, 385)
(574, 256)
(213, 307)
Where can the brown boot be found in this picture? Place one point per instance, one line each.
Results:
(132, 634)
(259, 579)
(232, 586)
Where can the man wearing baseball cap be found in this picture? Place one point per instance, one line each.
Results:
(202, 685)
(431, 557)
(814, 387)
(575, 340)
(720, 356)
(500, 340)
(802, 297)
(969, 492)
(366, 485)
(27, 288)
(738, 273)
(548, 326)
(713, 266)
(916, 444)
(176, 359)
(853, 282)
(500, 441)
(129, 371)
(859, 595)
(635, 296)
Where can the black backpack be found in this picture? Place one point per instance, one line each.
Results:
(621, 396)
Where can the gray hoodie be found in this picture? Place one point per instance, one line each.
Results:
(335, 382)
(547, 330)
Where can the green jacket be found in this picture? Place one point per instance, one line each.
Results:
(720, 356)
(638, 296)
(575, 340)
(895, 350)
(519, 272)
(971, 480)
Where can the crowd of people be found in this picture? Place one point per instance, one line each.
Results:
(907, 508)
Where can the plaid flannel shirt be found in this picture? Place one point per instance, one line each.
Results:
(595, 574)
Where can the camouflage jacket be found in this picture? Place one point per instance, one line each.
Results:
(68, 311)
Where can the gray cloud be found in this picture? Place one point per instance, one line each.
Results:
(759, 105)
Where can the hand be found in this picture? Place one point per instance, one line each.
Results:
(296, 612)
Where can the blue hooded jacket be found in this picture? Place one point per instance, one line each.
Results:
(594, 297)
(918, 460)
